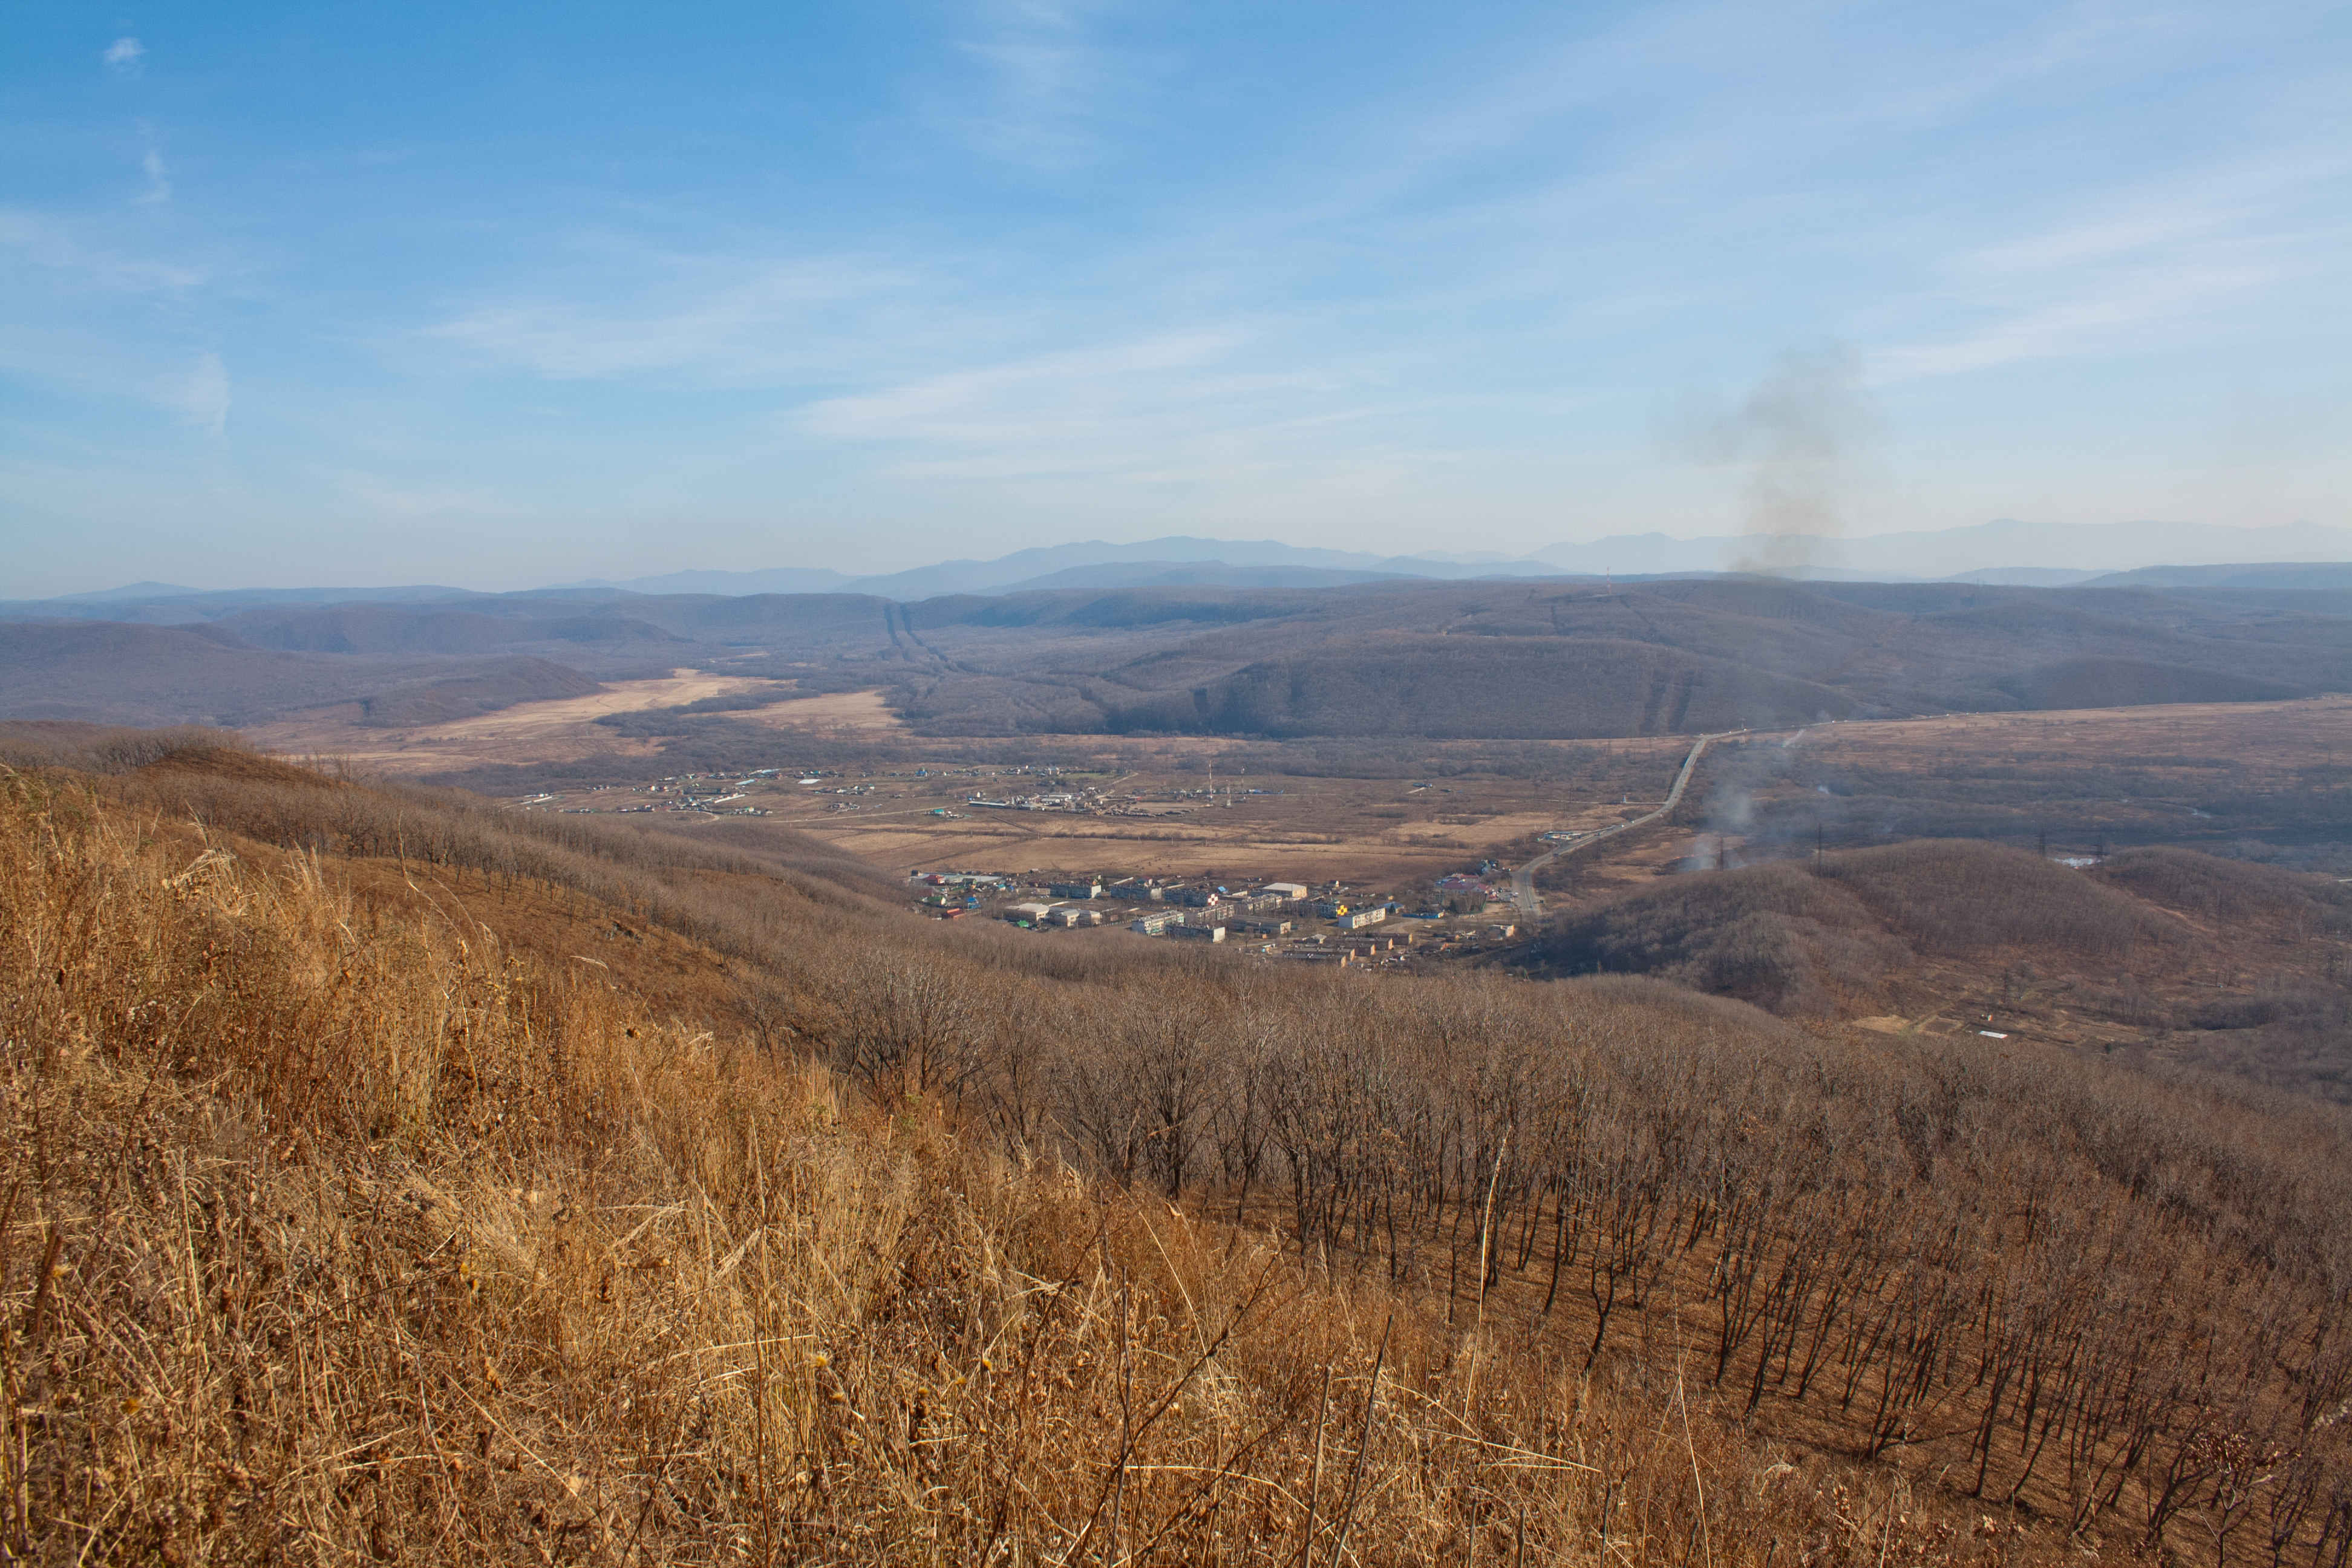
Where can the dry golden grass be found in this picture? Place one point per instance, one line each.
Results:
(330, 1234)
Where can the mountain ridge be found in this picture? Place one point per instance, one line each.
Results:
(2031, 551)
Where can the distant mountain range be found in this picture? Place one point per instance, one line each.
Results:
(2044, 555)
(2028, 554)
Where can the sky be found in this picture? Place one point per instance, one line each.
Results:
(501, 295)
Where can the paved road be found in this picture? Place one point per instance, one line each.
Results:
(1523, 880)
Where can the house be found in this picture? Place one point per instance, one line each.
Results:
(1206, 933)
(1027, 914)
(1195, 898)
(1285, 889)
(1330, 908)
(1067, 916)
(1263, 928)
(1089, 889)
(1157, 921)
(1361, 918)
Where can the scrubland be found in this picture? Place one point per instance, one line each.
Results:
(2164, 954)
(388, 1179)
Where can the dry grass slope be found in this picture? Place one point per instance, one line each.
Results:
(343, 1217)
(335, 1235)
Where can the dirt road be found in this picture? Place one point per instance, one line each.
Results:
(1523, 880)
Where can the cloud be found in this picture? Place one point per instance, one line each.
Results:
(203, 395)
(159, 179)
(1188, 407)
(124, 55)
(2145, 270)
(88, 254)
(722, 320)
(1048, 84)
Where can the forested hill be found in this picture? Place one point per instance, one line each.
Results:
(1500, 659)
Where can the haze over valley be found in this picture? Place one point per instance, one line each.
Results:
(1047, 782)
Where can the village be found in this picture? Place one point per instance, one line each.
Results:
(1456, 914)
(1452, 912)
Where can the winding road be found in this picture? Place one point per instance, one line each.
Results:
(1523, 880)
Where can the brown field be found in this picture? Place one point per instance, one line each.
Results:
(2263, 733)
(562, 730)
(1360, 831)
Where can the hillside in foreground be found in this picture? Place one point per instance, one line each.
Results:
(390, 1179)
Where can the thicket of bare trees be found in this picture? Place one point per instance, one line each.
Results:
(2118, 1301)
(2109, 1300)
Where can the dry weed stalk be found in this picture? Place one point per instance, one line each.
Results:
(333, 1235)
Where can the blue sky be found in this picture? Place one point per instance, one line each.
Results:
(497, 296)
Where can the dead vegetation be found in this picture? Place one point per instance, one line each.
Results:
(2166, 954)
(335, 1226)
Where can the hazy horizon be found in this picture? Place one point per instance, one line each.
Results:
(1914, 557)
(295, 296)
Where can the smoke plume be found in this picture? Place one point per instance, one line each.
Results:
(1799, 441)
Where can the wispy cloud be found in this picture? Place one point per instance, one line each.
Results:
(159, 179)
(89, 310)
(1049, 83)
(89, 254)
(124, 57)
(728, 319)
(1177, 408)
(203, 395)
(2144, 272)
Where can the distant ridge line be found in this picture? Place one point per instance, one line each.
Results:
(2298, 555)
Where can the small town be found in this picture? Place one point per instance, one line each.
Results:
(1329, 924)
(1461, 912)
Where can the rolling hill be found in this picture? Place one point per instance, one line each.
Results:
(111, 672)
(1212, 654)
